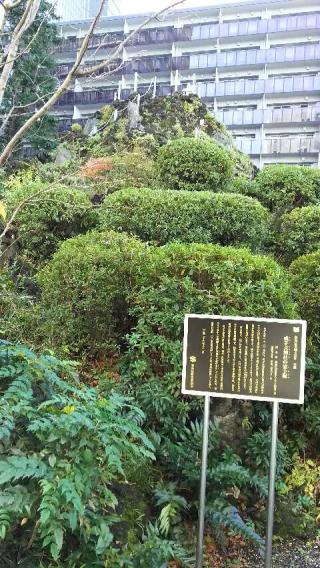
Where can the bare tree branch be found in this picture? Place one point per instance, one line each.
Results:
(76, 72)
(23, 25)
(6, 7)
(118, 51)
(27, 48)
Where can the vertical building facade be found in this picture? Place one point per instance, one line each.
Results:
(73, 10)
(256, 64)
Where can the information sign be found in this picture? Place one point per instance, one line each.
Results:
(246, 358)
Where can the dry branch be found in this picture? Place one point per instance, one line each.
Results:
(76, 72)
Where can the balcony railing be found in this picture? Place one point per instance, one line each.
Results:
(98, 40)
(244, 57)
(153, 64)
(268, 116)
(87, 98)
(64, 69)
(154, 36)
(253, 26)
(290, 145)
(256, 26)
(259, 86)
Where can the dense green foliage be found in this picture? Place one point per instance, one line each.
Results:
(305, 272)
(84, 308)
(87, 306)
(49, 215)
(194, 165)
(282, 188)
(198, 279)
(166, 215)
(63, 447)
(89, 492)
(299, 232)
(34, 77)
(130, 169)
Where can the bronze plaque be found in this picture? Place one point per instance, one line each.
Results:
(246, 358)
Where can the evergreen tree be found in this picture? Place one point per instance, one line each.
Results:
(34, 78)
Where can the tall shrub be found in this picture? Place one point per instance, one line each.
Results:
(49, 215)
(84, 290)
(198, 279)
(194, 164)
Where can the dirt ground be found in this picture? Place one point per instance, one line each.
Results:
(292, 554)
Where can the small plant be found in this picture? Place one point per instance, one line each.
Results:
(258, 447)
(171, 503)
(76, 128)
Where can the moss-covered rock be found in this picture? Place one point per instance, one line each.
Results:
(160, 119)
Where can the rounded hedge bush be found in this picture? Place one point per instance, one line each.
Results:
(198, 278)
(166, 215)
(281, 187)
(299, 232)
(305, 273)
(93, 284)
(50, 216)
(84, 289)
(194, 164)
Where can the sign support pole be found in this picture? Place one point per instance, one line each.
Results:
(204, 459)
(272, 479)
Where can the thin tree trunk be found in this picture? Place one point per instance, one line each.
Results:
(27, 19)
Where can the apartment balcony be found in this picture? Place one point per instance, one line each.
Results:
(249, 146)
(247, 57)
(87, 98)
(71, 45)
(153, 64)
(289, 145)
(255, 26)
(247, 87)
(64, 69)
(256, 117)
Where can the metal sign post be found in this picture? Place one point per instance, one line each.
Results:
(204, 459)
(272, 479)
(246, 359)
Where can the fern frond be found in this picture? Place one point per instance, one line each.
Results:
(15, 468)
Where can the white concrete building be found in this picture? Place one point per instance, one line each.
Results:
(256, 64)
(69, 10)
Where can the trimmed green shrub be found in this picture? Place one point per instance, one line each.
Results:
(281, 187)
(198, 279)
(305, 272)
(165, 215)
(49, 215)
(194, 164)
(84, 289)
(299, 232)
